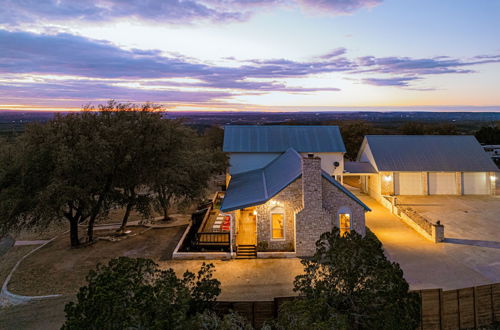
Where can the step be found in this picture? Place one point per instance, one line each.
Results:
(246, 251)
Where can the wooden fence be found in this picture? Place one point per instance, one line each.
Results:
(468, 308)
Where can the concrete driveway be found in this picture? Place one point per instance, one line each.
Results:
(472, 228)
(425, 264)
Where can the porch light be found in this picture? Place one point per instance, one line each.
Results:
(493, 178)
(387, 178)
(254, 212)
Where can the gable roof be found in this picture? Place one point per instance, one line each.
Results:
(461, 153)
(278, 138)
(258, 186)
(344, 190)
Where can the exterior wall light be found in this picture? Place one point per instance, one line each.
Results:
(255, 212)
(387, 178)
(493, 178)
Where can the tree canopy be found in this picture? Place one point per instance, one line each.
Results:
(350, 284)
(136, 294)
(489, 134)
(77, 166)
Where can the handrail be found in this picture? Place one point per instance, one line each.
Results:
(212, 238)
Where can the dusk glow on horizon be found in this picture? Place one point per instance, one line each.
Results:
(251, 55)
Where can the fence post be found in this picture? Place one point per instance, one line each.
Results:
(474, 293)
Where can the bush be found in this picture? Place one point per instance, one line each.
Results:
(135, 294)
(350, 284)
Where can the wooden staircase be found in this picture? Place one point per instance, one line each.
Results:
(246, 252)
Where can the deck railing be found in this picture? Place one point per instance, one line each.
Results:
(212, 238)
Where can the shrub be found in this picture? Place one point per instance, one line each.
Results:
(135, 294)
(350, 284)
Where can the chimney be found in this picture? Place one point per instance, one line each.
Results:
(311, 183)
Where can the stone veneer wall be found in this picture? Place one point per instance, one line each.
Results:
(290, 199)
(387, 186)
(334, 199)
(313, 220)
(311, 205)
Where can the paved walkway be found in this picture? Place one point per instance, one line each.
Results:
(425, 264)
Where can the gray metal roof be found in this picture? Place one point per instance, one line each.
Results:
(278, 138)
(461, 153)
(358, 167)
(258, 186)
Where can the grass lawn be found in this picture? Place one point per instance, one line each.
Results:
(58, 269)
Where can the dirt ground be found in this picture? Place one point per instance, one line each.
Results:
(9, 259)
(58, 269)
(46, 314)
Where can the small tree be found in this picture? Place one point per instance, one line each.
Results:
(135, 294)
(350, 284)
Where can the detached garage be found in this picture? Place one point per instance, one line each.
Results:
(443, 183)
(408, 183)
(428, 165)
(475, 183)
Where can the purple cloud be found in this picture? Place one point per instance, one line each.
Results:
(168, 11)
(102, 66)
(338, 6)
(424, 66)
(82, 90)
(395, 81)
(334, 53)
(25, 52)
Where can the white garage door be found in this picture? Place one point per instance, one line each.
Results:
(409, 183)
(475, 183)
(442, 183)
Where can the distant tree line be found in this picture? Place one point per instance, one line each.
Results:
(78, 166)
(354, 131)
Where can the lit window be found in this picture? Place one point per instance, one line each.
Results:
(344, 223)
(278, 225)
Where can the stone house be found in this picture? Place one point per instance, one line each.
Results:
(282, 207)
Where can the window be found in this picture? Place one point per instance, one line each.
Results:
(344, 223)
(277, 223)
(345, 219)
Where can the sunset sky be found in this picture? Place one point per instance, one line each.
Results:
(273, 55)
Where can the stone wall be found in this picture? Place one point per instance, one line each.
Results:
(313, 220)
(334, 199)
(311, 206)
(387, 185)
(290, 199)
